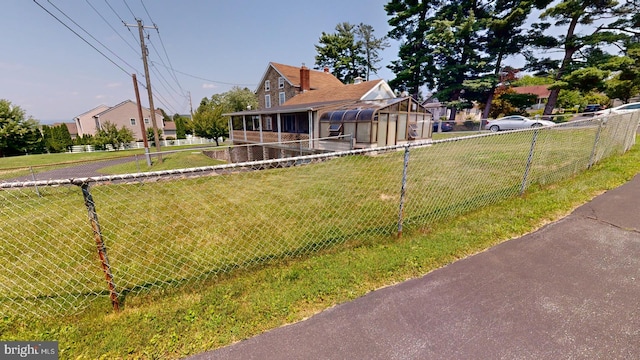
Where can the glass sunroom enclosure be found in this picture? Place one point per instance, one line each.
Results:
(378, 122)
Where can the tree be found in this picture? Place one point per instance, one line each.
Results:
(183, 126)
(588, 24)
(238, 99)
(56, 138)
(208, 121)
(341, 53)
(414, 66)
(109, 134)
(371, 47)
(17, 134)
(151, 135)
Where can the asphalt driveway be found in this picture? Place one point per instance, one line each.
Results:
(567, 291)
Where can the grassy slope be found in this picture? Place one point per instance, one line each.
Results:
(174, 322)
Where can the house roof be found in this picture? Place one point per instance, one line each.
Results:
(169, 126)
(73, 129)
(95, 110)
(335, 93)
(158, 112)
(317, 79)
(541, 91)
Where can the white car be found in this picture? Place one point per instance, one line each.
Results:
(620, 109)
(514, 122)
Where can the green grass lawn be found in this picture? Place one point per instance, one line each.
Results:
(204, 311)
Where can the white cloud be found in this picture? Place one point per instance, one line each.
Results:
(100, 97)
(209, 86)
(114, 85)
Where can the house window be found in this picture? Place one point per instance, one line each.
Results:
(267, 101)
(281, 83)
(267, 85)
(146, 121)
(267, 123)
(133, 121)
(281, 97)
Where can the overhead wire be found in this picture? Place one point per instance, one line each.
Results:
(205, 79)
(162, 80)
(175, 78)
(82, 38)
(112, 28)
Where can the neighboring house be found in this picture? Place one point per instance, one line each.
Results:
(367, 111)
(169, 130)
(542, 93)
(280, 83)
(73, 129)
(86, 123)
(124, 114)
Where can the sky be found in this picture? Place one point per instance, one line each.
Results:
(211, 45)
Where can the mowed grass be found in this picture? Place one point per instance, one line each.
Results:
(175, 321)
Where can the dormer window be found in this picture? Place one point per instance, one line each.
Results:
(267, 85)
(281, 83)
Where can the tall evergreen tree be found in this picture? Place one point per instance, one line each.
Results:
(586, 24)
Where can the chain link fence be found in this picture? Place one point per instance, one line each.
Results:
(165, 228)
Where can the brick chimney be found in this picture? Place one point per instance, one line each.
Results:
(304, 79)
(326, 69)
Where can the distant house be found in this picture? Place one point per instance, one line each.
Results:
(282, 82)
(86, 123)
(124, 114)
(73, 129)
(366, 113)
(542, 93)
(169, 130)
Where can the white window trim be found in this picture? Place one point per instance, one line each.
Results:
(132, 121)
(146, 121)
(267, 101)
(267, 85)
(281, 83)
(281, 98)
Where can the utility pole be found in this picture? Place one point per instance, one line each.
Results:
(145, 53)
(190, 105)
(141, 117)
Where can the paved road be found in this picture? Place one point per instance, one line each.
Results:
(570, 290)
(89, 169)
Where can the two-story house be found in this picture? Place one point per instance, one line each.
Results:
(366, 113)
(282, 82)
(124, 114)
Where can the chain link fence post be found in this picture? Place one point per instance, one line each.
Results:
(595, 145)
(527, 168)
(102, 249)
(403, 189)
(33, 177)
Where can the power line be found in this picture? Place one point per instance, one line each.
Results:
(93, 37)
(175, 78)
(112, 28)
(202, 78)
(83, 39)
(121, 20)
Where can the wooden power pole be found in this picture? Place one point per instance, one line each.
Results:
(145, 53)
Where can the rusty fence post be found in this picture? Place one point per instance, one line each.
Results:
(102, 249)
(403, 189)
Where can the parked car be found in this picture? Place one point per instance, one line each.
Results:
(514, 122)
(593, 108)
(445, 126)
(620, 109)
